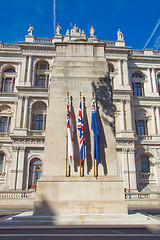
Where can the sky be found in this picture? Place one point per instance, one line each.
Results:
(137, 19)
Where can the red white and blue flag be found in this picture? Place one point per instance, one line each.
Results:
(70, 132)
(81, 141)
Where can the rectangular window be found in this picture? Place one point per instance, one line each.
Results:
(5, 124)
(141, 127)
(138, 89)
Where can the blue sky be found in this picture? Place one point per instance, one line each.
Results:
(136, 19)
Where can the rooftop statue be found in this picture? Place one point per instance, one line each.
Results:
(75, 30)
(92, 31)
(120, 35)
(58, 28)
(30, 29)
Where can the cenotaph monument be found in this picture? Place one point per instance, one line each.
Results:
(80, 69)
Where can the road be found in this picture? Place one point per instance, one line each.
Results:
(79, 233)
(82, 232)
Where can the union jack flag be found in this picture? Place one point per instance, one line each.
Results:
(80, 128)
(69, 131)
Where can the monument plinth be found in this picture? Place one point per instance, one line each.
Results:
(80, 67)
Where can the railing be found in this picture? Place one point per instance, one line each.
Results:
(110, 43)
(145, 138)
(15, 194)
(10, 46)
(142, 196)
(37, 133)
(42, 40)
(137, 52)
(3, 134)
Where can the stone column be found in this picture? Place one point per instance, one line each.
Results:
(19, 112)
(25, 120)
(158, 120)
(23, 70)
(122, 115)
(29, 71)
(132, 170)
(125, 169)
(125, 71)
(150, 88)
(130, 181)
(153, 121)
(13, 174)
(20, 168)
(154, 81)
(128, 115)
(120, 72)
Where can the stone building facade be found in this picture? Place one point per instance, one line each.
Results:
(26, 72)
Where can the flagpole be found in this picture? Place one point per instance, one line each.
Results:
(80, 156)
(67, 145)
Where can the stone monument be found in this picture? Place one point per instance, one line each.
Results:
(80, 66)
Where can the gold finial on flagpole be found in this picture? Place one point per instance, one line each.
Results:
(67, 95)
(80, 95)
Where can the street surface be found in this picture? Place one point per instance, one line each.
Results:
(39, 231)
(79, 233)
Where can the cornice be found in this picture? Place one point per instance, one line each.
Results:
(144, 58)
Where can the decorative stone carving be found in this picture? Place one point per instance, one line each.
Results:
(30, 29)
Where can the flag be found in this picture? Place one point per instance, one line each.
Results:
(81, 141)
(94, 127)
(69, 131)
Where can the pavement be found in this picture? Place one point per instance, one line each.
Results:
(25, 217)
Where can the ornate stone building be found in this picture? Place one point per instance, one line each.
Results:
(26, 72)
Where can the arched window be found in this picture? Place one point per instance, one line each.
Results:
(5, 118)
(1, 161)
(42, 74)
(145, 165)
(8, 80)
(35, 172)
(110, 68)
(137, 75)
(138, 86)
(141, 122)
(39, 116)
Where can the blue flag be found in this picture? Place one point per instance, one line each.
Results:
(94, 127)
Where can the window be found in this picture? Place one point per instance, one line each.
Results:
(136, 75)
(5, 124)
(145, 166)
(8, 80)
(42, 74)
(141, 127)
(1, 161)
(138, 89)
(43, 65)
(8, 85)
(39, 116)
(42, 80)
(35, 172)
(39, 122)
